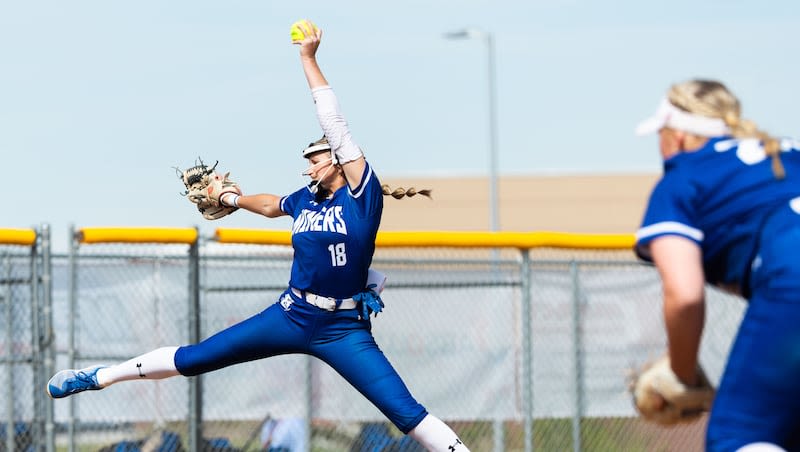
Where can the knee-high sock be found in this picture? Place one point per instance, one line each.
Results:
(155, 365)
(760, 447)
(436, 436)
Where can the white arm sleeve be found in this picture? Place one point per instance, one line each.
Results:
(334, 126)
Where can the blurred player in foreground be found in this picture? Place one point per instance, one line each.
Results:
(727, 212)
(326, 311)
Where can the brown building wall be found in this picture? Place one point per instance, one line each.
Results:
(581, 204)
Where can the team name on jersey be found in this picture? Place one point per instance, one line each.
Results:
(326, 220)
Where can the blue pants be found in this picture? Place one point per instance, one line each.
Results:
(759, 395)
(339, 338)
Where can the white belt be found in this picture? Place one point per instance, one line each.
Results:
(326, 303)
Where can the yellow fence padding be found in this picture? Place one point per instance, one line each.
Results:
(17, 236)
(253, 236)
(459, 239)
(522, 240)
(137, 235)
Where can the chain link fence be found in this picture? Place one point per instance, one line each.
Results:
(516, 349)
(25, 338)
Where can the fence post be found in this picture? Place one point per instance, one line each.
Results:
(309, 383)
(48, 343)
(527, 351)
(73, 312)
(498, 435)
(577, 356)
(195, 383)
(36, 342)
(9, 396)
(498, 431)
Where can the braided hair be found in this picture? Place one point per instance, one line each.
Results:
(400, 192)
(713, 99)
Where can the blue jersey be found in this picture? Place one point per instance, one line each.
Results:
(720, 196)
(334, 239)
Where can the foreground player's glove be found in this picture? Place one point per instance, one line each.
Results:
(204, 187)
(660, 397)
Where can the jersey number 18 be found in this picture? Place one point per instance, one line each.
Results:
(338, 256)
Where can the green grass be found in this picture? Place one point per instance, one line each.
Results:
(551, 435)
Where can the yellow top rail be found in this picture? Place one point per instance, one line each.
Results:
(459, 239)
(137, 235)
(17, 236)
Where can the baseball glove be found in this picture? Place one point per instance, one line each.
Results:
(660, 397)
(204, 187)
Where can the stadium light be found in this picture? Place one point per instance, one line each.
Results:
(488, 39)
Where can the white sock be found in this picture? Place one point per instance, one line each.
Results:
(760, 447)
(155, 365)
(436, 436)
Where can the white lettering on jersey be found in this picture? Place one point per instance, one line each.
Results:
(790, 144)
(326, 220)
(341, 226)
(750, 151)
(298, 223)
(316, 220)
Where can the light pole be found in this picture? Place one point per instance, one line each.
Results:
(488, 39)
(494, 223)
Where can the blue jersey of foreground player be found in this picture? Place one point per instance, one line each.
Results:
(334, 238)
(721, 197)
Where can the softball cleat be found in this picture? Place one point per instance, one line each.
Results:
(71, 381)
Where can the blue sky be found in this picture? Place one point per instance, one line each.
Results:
(100, 99)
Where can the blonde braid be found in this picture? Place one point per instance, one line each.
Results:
(400, 192)
(711, 98)
(748, 129)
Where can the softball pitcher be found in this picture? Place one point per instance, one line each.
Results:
(325, 310)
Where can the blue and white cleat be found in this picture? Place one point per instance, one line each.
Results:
(71, 381)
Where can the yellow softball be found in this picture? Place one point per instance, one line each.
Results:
(298, 31)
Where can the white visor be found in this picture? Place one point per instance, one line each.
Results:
(668, 115)
(312, 148)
